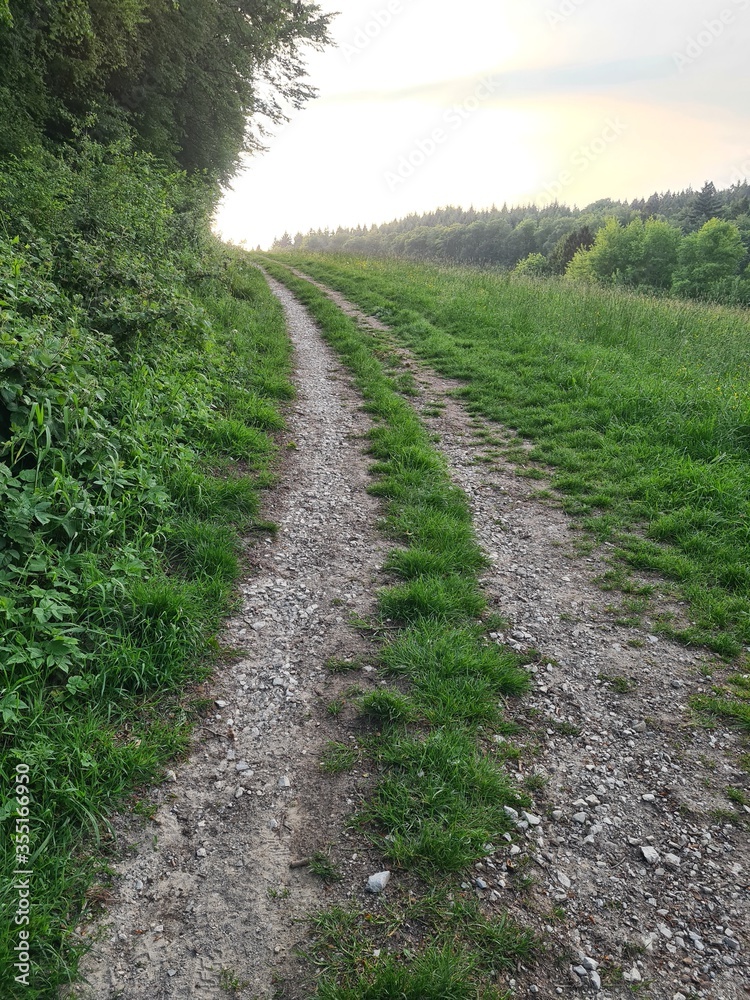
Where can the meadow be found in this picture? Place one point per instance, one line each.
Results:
(636, 410)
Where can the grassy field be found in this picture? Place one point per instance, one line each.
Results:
(640, 407)
(442, 790)
(126, 480)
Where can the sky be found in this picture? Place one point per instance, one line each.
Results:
(427, 103)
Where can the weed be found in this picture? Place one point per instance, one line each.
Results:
(535, 782)
(335, 707)
(622, 685)
(231, 982)
(323, 866)
(338, 666)
(338, 757)
(737, 796)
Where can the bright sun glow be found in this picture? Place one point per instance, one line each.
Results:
(570, 98)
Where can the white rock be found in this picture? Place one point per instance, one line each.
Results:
(563, 879)
(634, 976)
(377, 883)
(284, 782)
(650, 855)
(672, 860)
(531, 819)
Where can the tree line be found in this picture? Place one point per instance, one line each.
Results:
(688, 243)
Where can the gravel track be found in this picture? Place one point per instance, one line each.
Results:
(621, 770)
(630, 871)
(206, 897)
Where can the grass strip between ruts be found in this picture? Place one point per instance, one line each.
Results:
(440, 801)
(639, 406)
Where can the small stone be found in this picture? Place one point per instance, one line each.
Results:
(595, 980)
(377, 883)
(664, 931)
(679, 996)
(515, 851)
(563, 879)
(649, 797)
(580, 818)
(171, 972)
(531, 819)
(672, 861)
(634, 976)
(242, 765)
(201, 852)
(170, 775)
(284, 782)
(580, 972)
(590, 964)
(651, 856)
(640, 727)
(221, 704)
(481, 884)
(557, 815)
(272, 824)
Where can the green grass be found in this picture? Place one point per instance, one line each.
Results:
(127, 477)
(440, 945)
(324, 867)
(439, 799)
(338, 757)
(639, 406)
(729, 701)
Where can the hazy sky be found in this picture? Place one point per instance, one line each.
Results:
(425, 103)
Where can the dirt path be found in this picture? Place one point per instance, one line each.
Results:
(206, 899)
(635, 867)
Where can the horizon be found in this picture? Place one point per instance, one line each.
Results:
(563, 100)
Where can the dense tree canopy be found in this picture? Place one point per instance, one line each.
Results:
(184, 77)
(646, 243)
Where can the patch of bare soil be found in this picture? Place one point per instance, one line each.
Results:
(636, 865)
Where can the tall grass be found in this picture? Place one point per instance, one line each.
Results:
(640, 407)
(127, 475)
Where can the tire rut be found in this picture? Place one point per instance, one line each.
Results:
(635, 872)
(205, 900)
